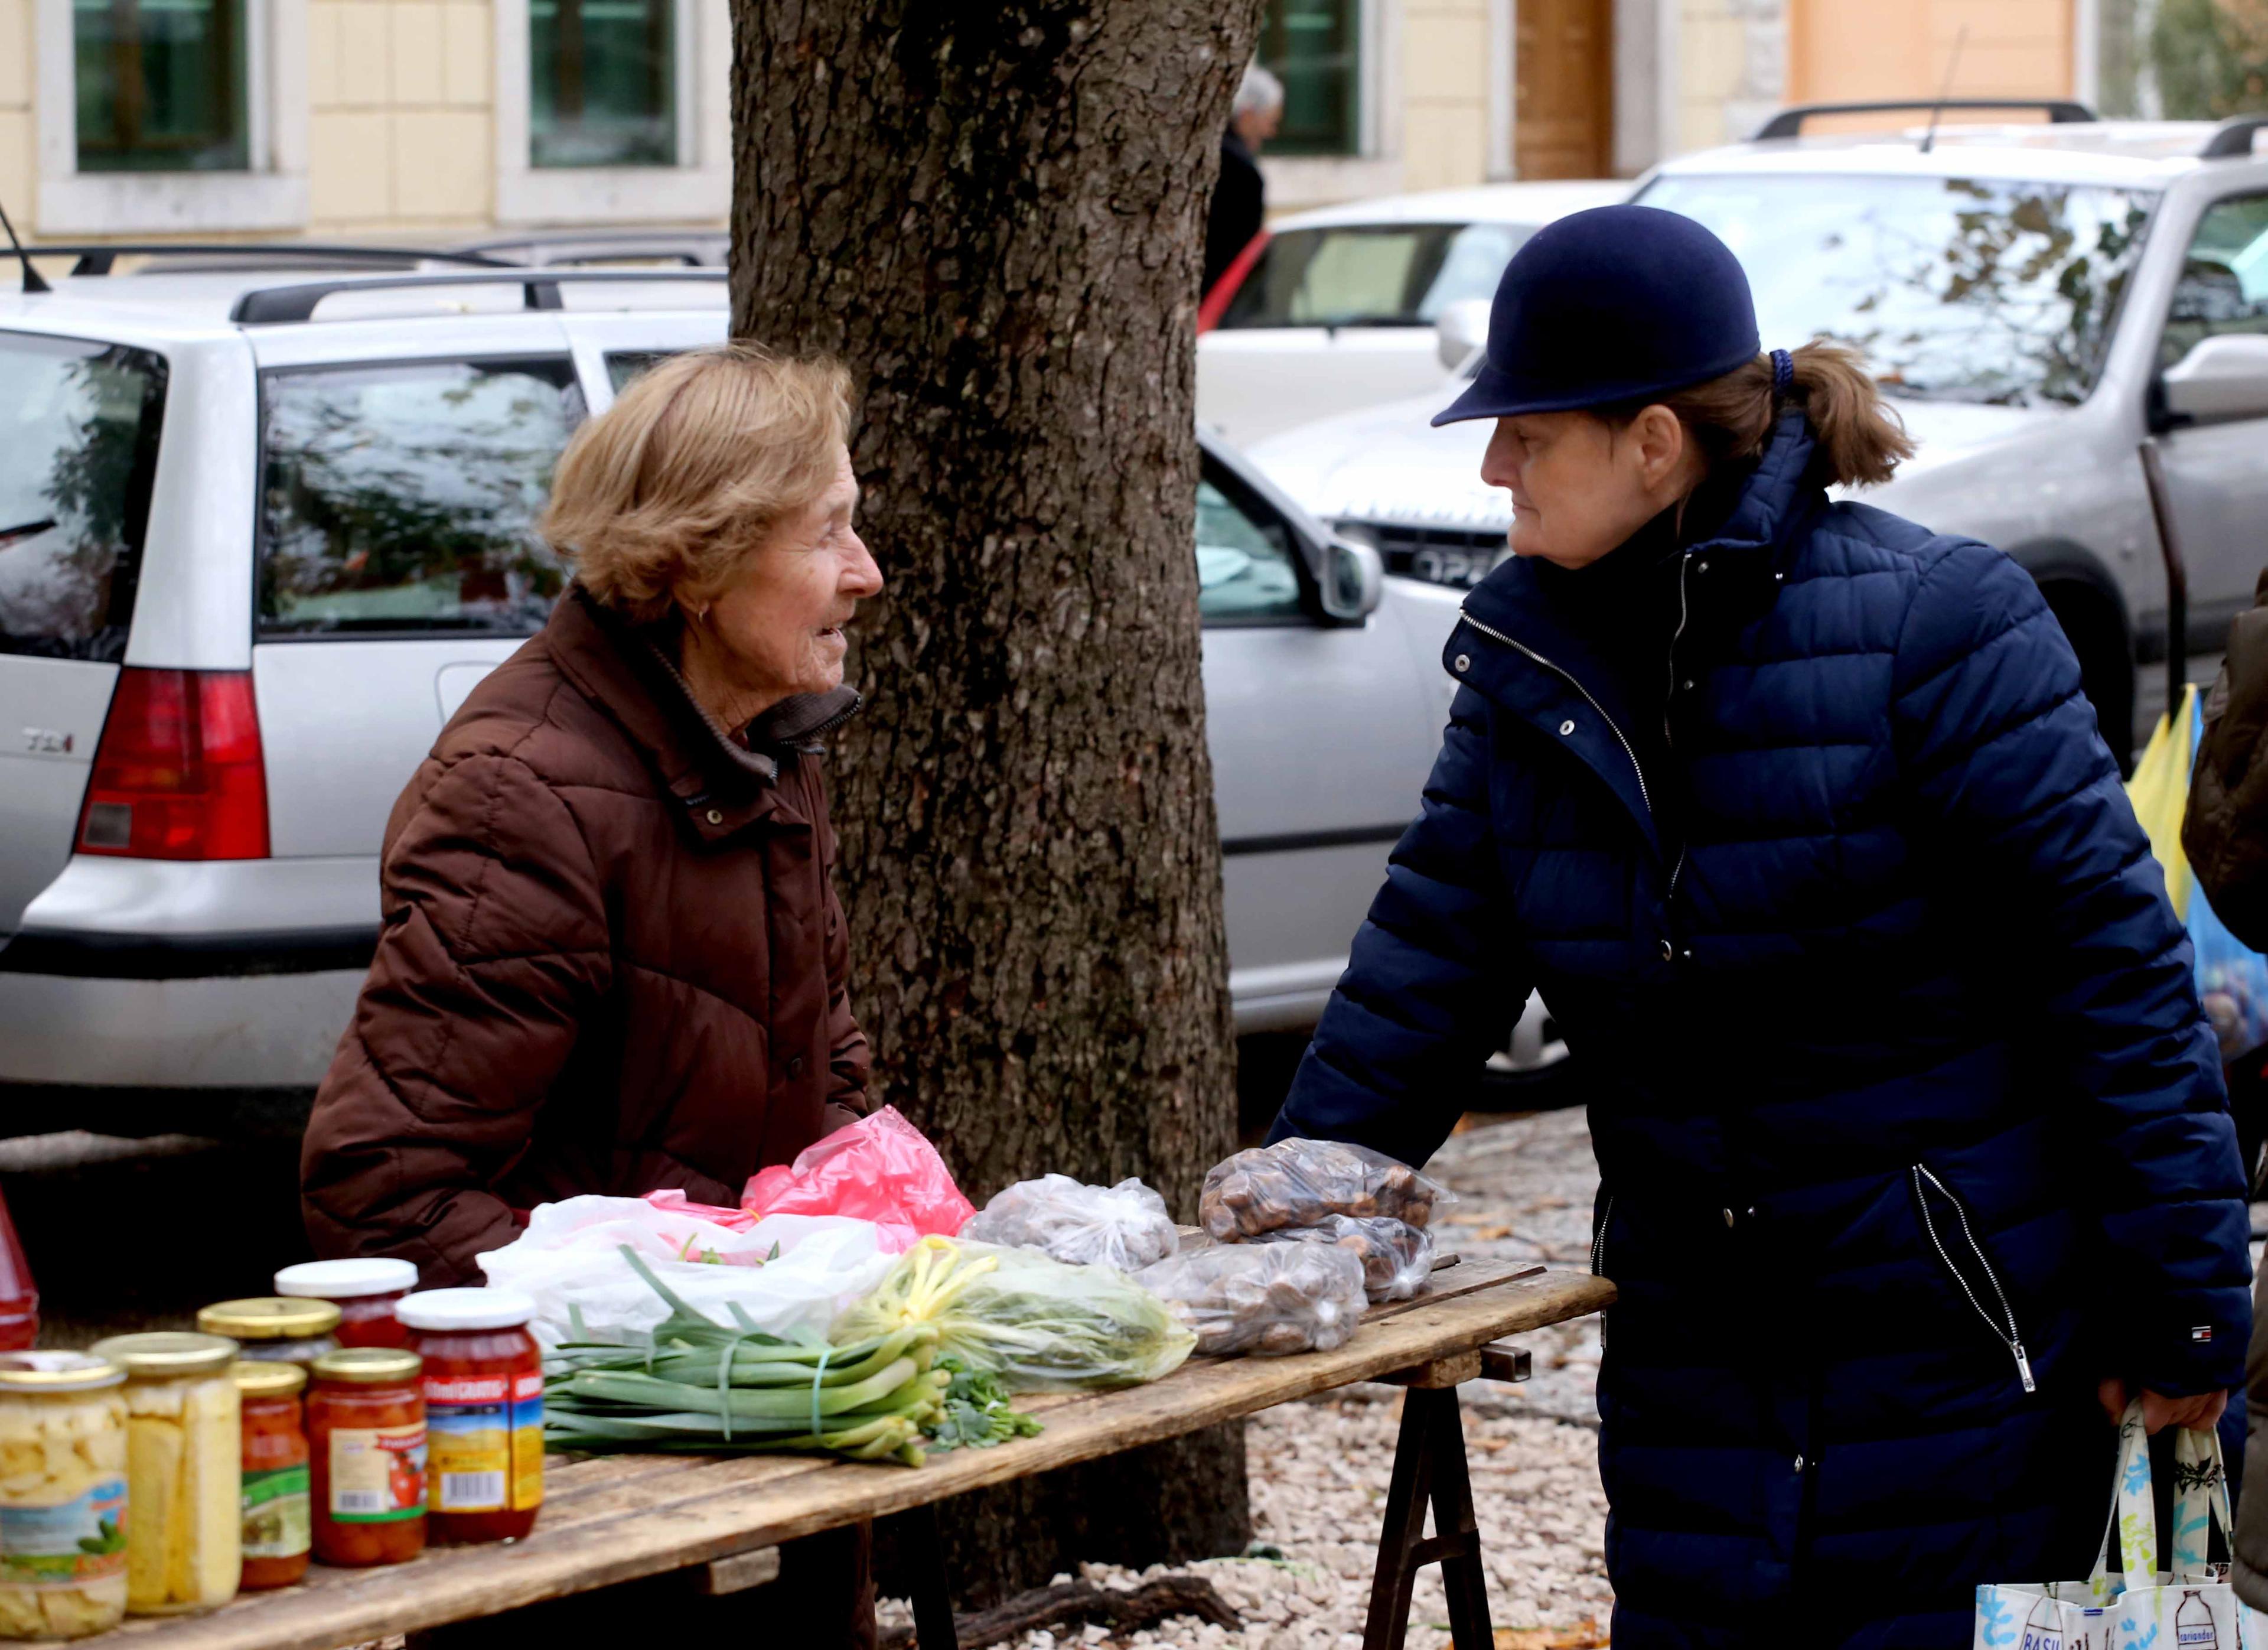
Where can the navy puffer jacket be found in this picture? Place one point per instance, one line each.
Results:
(1909, 1126)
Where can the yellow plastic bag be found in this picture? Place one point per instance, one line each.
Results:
(2160, 792)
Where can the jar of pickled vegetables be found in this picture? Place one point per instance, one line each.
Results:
(365, 1293)
(366, 1440)
(484, 1387)
(184, 1477)
(276, 1529)
(274, 1328)
(62, 1495)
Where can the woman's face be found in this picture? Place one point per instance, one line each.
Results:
(783, 623)
(1580, 485)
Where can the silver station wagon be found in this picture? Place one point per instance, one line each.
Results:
(260, 532)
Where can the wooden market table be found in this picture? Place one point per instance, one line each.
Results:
(622, 1518)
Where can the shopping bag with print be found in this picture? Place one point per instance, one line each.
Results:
(2189, 1606)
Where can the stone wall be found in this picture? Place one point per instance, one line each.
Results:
(400, 114)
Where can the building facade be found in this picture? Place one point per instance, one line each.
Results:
(125, 118)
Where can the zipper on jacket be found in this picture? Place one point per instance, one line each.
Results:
(1669, 699)
(1599, 1240)
(1629, 750)
(2010, 1335)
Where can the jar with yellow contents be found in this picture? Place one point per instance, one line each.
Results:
(184, 1470)
(62, 1495)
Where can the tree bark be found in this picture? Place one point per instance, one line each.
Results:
(994, 215)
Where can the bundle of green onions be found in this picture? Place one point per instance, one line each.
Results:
(704, 1387)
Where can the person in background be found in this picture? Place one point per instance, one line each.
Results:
(2225, 836)
(1239, 204)
(1912, 1151)
(612, 958)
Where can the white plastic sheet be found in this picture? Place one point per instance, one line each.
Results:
(571, 1256)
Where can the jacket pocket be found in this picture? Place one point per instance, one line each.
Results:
(1945, 1221)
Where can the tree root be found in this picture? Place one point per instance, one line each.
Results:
(1120, 1610)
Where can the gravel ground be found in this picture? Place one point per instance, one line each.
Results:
(1320, 1468)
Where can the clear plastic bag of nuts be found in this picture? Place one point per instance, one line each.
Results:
(1267, 1298)
(1303, 1183)
(1396, 1257)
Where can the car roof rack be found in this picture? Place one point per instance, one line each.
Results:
(2233, 139)
(274, 305)
(99, 257)
(555, 248)
(1789, 121)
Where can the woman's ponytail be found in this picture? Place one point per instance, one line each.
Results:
(1861, 438)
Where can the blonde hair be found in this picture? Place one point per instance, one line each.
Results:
(1861, 438)
(660, 498)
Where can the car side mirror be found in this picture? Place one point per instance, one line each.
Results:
(2224, 379)
(1353, 581)
(1461, 329)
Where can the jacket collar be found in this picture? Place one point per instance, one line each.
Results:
(1516, 645)
(723, 781)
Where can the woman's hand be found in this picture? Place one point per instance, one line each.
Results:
(2199, 1414)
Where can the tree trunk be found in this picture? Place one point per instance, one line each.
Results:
(994, 214)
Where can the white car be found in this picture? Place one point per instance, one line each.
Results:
(1343, 307)
(2036, 300)
(262, 530)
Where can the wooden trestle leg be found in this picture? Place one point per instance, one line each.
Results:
(1429, 1468)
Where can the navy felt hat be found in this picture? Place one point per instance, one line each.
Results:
(1611, 305)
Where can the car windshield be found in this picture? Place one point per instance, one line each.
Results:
(1957, 289)
(1376, 274)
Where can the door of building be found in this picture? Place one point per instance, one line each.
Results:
(1564, 109)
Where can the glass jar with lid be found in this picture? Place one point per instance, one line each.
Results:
(274, 1328)
(365, 1292)
(483, 1385)
(366, 1443)
(184, 1474)
(276, 1531)
(62, 1495)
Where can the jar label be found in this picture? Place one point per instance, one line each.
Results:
(66, 1543)
(277, 1523)
(483, 1429)
(378, 1473)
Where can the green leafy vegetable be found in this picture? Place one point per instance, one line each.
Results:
(977, 1413)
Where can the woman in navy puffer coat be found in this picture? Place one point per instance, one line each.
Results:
(1908, 1127)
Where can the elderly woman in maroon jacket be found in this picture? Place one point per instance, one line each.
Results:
(612, 958)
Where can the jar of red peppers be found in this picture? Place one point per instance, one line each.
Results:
(276, 1530)
(365, 1293)
(484, 1387)
(366, 1445)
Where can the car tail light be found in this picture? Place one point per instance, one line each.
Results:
(178, 774)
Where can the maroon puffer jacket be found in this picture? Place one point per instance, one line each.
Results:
(612, 961)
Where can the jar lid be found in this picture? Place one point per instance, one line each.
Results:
(369, 1363)
(162, 1353)
(346, 1280)
(268, 1380)
(56, 1372)
(445, 1310)
(270, 1318)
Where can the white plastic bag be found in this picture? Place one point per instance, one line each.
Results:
(791, 1274)
(2189, 1605)
(1124, 1226)
(1269, 1298)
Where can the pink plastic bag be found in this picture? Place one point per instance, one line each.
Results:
(880, 1169)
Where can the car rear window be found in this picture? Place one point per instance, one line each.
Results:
(402, 498)
(1383, 275)
(79, 423)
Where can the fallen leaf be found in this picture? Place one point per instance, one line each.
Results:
(1584, 1635)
